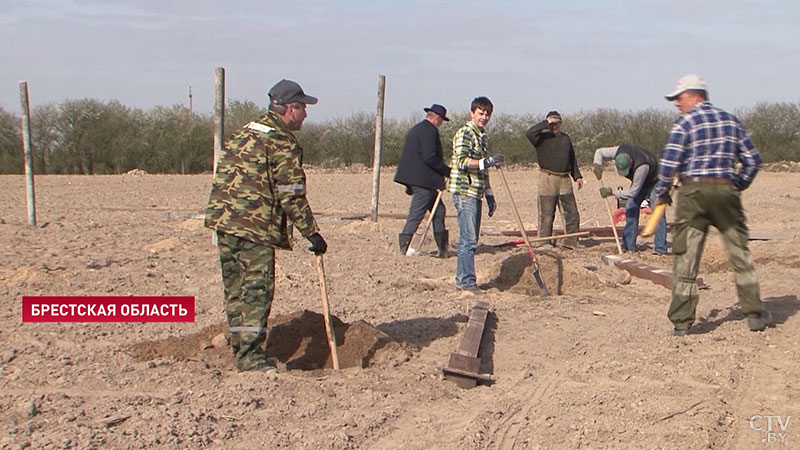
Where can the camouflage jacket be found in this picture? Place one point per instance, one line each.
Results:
(259, 189)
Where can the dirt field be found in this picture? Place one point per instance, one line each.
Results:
(592, 368)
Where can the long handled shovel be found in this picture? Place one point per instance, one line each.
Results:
(323, 291)
(611, 218)
(411, 251)
(534, 263)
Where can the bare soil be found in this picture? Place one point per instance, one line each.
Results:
(593, 366)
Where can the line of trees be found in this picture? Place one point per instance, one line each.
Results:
(89, 136)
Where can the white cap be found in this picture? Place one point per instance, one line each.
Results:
(685, 83)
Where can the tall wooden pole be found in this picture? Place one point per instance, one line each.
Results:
(376, 162)
(219, 112)
(26, 146)
(188, 135)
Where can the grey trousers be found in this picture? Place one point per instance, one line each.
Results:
(422, 200)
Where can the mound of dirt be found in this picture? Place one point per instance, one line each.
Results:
(560, 274)
(298, 340)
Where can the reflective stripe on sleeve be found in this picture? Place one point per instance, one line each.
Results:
(259, 127)
(247, 329)
(296, 188)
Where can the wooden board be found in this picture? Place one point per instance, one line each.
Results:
(638, 269)
(464, 363)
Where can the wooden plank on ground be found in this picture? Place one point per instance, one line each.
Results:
(364, 216)
(639, 269)
(608, 232)
(464, 363)
(594, 231)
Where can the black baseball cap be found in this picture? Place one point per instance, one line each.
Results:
(287, 91)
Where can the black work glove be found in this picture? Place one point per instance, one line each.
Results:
(606, 192)
(318, 245)
(491, 203)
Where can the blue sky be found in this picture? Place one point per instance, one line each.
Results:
(527, 56)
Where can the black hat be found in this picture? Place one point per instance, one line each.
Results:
(287, 91)
(438, 109)
(555, 115)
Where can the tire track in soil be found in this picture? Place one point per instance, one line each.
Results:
(440, 422)
(506, 434)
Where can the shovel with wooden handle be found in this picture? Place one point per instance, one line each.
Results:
(323, 290)
(611, 218)
(534, 263)
(413, 252)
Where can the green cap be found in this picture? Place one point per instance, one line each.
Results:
(623, 162)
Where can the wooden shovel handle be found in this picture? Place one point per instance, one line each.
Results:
(611, 218)
(323, 291)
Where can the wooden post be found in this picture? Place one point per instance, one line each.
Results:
(376, 160)
(26, 146)
(219, 113)
(188, 136)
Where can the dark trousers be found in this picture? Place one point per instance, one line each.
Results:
(554, 189)
(422, 200)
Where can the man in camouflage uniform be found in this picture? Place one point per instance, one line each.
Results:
(259, 191)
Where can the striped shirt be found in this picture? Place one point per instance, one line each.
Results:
(708, 142)
(469, 142)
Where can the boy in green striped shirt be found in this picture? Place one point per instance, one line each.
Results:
(469, 183)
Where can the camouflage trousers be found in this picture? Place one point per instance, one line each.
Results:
(248, 279)
(701, 205)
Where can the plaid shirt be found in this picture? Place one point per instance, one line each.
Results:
(469, 142)
(708, 142)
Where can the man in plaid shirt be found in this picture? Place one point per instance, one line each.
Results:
(703, 148)
(469, 182)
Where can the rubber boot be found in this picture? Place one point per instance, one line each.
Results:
(442, 240)
(572, 220)
(405, 241)
(547, 212)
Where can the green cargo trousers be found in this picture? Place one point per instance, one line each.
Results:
(248, 279)
(554, 189)
(701, 205)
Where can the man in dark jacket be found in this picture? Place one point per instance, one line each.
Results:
(641, 167)
(422, 171)
(557, 163)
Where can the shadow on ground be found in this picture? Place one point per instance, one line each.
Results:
(420, 332)
(781, 307)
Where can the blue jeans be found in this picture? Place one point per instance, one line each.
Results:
(469, 227)
(632, 223)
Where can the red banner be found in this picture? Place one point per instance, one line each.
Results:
(107, 309)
